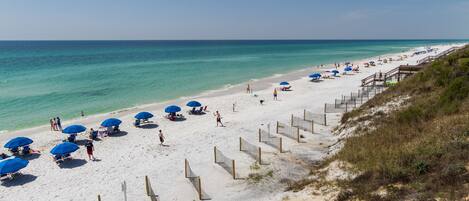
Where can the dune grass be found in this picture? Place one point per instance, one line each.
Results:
(420, 151)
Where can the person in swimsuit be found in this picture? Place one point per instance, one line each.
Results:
(90, 149)
(218, 116)
(161, 136)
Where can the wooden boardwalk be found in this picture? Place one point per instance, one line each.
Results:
(402, 71)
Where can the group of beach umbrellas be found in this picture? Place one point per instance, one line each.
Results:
(12, 165)
(169, 109)
(334, 71)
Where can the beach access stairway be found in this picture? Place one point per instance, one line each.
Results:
(402, 71)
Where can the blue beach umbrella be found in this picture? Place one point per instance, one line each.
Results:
(111, 122)
(143, 115)
(18, 142)
(335, 71)
(348, 68)
(12, 165)
(64, 148)
(74, 129)
(284, 83)
(193, 104)
(172, 109)
(315, 75)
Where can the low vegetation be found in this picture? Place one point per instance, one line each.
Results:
(420, 151)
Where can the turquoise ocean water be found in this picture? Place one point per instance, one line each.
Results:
(43, 79)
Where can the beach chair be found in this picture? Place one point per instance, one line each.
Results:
(14, 151)
(137, 123)
(26, 150)
(286, 88)
(3, 156)
(94, 135)
(71, 138)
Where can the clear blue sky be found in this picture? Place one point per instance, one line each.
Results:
(233, 19)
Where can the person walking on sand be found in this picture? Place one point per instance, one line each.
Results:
(234, 107)
(89, 150)
(218, 116)
(275, 93)
(161, 136)
(59, 124)
(248, 89)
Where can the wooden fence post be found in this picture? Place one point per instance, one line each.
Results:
(99, 197)
(298, 134)
(147, 187)
(312, 127)
(185, 168)
(260, 135)
(240, 144)
(291, 124)
(260, 156)
(200, 189)
(281, 145)
(325, 119)
(234, 168)
(215, 153)
(276, 129)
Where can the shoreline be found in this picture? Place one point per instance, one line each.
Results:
(256, 84)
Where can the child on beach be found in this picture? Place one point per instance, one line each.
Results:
(161, 136)
(218, 116)
(89, 150)
(275, 93)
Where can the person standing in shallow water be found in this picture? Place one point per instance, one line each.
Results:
(51, 121)
(54, 123)
(59, 124)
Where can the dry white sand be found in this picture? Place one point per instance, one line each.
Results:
(132, 156)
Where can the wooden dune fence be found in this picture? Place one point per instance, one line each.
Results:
(149, 190)
(250, 149)
(195, 180)
(288, 131)
(300, 123)
(226, 163)
(320, 119)
(271, 140)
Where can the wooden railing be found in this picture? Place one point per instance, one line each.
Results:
(403, 70)
(430, 58)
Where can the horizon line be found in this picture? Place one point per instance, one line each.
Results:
(253, 39)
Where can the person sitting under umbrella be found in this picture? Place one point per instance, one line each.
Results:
(3, 156)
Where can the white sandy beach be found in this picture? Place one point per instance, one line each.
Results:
(132, 156)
